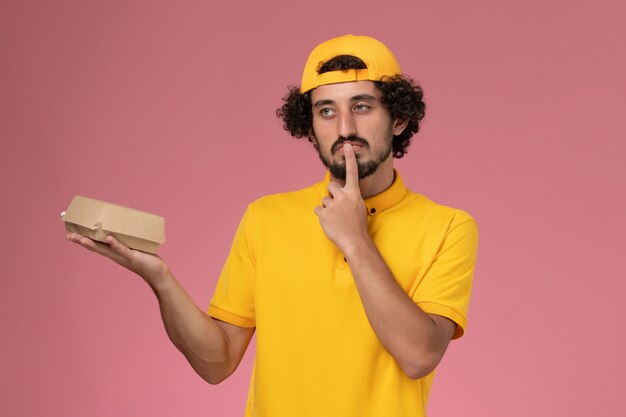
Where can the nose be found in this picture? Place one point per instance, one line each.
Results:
(346, 125)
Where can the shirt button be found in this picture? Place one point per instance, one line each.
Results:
(372, 210)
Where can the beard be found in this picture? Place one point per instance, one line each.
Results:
(366, 168)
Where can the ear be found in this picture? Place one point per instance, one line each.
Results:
(311, 138)
(399, 126)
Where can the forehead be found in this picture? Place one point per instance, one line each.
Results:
(345, 91)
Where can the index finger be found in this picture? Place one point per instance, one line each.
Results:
(352, 169)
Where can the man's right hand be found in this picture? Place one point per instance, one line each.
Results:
(150, 267)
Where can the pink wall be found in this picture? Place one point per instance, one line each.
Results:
(168, 107)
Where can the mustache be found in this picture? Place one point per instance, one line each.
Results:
(353, 139)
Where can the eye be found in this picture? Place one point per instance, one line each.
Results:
(327, 112)
(361, 108)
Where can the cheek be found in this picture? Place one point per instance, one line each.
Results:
(318, 126)
(384, 131)
(324, 135)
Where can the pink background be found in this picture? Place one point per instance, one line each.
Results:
(169, 107)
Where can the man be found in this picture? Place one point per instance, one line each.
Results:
(355, 285)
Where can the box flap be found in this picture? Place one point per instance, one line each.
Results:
(130, 222)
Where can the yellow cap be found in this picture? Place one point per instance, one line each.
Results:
(378, 58)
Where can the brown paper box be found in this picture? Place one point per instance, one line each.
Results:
(97, 219)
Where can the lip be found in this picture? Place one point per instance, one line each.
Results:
(355, 145)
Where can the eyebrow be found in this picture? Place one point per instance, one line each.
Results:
(358, 97)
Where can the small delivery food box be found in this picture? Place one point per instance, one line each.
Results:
(97, 219)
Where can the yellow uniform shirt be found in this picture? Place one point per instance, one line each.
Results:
(316, 353)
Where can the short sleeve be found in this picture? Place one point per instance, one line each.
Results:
(446, 287)
(233, 300)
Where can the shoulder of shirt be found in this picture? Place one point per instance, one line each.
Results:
(304, 197)
(436, 210)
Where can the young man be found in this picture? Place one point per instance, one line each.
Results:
(355, 285)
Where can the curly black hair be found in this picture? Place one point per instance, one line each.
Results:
(400, 94)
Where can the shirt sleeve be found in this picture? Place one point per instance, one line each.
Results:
(446, 287)
(233, 300)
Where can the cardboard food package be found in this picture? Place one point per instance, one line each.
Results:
(97, 219)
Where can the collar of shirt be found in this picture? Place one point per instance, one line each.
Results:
(380, 202)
